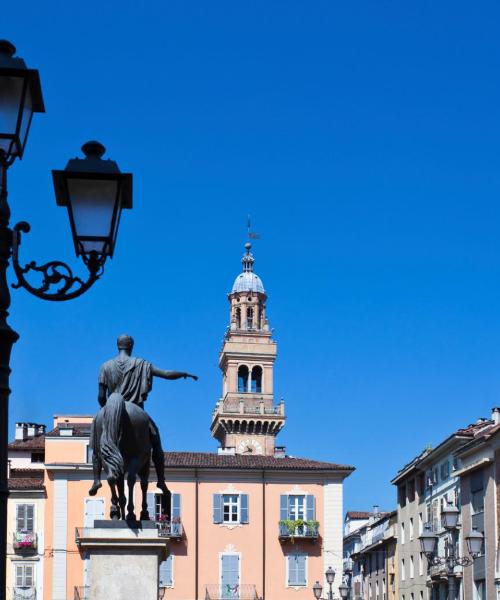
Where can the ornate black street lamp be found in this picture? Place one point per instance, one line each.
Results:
(94, 192)
(429, 540)
(330, 577)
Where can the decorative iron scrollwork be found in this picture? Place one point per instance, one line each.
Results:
(58, 282)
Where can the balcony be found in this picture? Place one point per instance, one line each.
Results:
(24, 541)
(24, 593)
(290, 530)
(243, 591)
(347, 565)
(170, 529)
(82, 593)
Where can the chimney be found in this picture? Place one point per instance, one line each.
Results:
(495, 415)
(21, 431)
(31, 430)
(376, 510)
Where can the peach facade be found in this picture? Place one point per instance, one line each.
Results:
(196, 563)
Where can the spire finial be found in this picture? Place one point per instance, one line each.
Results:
(248, 259)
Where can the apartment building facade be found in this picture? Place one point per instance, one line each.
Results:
(425, 486)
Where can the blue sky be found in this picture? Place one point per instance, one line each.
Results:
(362, 137)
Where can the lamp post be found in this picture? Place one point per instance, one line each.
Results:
(429, 540)
(330, 577)
(94, 192)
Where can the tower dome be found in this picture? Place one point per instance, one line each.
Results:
(248, 281)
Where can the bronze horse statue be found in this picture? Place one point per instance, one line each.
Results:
(122, 438)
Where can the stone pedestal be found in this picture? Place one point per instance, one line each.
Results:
(124, 560)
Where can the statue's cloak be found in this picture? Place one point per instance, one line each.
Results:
(131, 377)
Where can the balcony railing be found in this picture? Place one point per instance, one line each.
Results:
(82, 592)
(24, 541)
(170, 529)
(242, 591)
(24, 593)
(288, 531)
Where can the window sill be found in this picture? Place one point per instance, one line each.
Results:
(232, 525)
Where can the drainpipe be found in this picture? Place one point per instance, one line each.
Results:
(196, 556)
(263, 535)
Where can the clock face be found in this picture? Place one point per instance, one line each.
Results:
(249, 446)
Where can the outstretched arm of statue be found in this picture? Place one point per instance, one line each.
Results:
(171, 374)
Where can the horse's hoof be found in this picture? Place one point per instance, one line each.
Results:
(94, 488)
(130, 517)
(145, 515)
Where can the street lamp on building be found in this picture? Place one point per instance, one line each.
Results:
(330, 577)
(429, 543)
(94, 192)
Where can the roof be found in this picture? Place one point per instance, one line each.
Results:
(26, 479)
(357, 514)
(210, 460)
(79, 430)
(31, 443)
(465, 433)
(248, 282)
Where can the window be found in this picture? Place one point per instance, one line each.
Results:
(402, 533)
(166, 573)
(402, 495)
(411, 490)
(420, 524)
(296, 567)
(230, 508)
(256, 381)
(249, 317)
(230, 575)
(420, 564)
(480, 590)
(477, 491)
(445, 470)
(411, 528)
(297, 506)
(25, 517)
(242, 378)
(88, 454)
(238, 317)
(412, 567)
(37, 457)
(421, 484)
(24, 575)
(403, 573)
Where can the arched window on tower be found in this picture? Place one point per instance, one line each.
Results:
(242, 378)
(238, 317)
(249, 317)
(256, 382)
(260, 324)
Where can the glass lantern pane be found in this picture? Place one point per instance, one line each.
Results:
(90, 245)
(10, 105)
(26, 118)
(92, 203)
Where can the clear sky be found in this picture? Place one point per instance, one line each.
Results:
(362, 137)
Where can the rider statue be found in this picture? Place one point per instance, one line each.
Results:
(132, 378)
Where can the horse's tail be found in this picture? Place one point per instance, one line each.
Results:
(111, 431)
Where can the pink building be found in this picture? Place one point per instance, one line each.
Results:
(247, 522)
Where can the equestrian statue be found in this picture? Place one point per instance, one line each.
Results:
(124, 438)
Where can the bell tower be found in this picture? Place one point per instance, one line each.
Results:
(246, 418)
